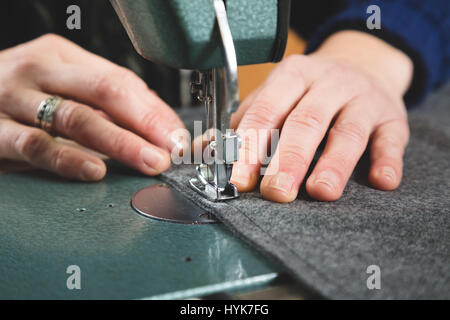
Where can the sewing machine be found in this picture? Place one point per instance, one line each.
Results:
(49, 224)
(213, 37)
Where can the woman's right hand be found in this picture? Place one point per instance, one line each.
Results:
(105, 107)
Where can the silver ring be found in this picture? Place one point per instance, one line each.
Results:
(45, 112)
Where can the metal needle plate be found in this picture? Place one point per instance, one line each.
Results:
(161, 202)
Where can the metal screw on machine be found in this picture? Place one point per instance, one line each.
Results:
(218, 90)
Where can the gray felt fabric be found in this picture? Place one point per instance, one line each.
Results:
(328, 246)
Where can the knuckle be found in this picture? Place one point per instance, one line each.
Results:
(385, 141)
(50, 37)
(336, 70)
(348, 80)
(362, 85)
(73, 117)
(305, 118)
(59, 45)
(54, 41)
(341, 74)
(151, 120)
(119, 144)
(350, 130)
(339, 161)
(294, 155)
(30, 143)
(293, 65)
(260, 115)
(25, 63)
(128, 75)
(58, 163)
(106, 86)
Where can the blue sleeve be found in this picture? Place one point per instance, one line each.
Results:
(419, 28)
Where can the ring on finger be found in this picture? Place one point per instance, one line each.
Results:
(45, 112)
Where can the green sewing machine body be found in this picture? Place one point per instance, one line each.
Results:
(49, 223)
(183, 33)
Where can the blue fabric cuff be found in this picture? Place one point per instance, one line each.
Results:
(405, 28)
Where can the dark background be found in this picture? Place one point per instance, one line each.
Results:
(102, 33)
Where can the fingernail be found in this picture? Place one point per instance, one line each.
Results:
(282, 182)
(153, 159)
(388, 173)
(178, 141)
(328, 178)
(241, 176)
(91, 171)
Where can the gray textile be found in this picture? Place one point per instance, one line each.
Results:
(328, 246)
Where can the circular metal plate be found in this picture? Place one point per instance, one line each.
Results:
(161, 202)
